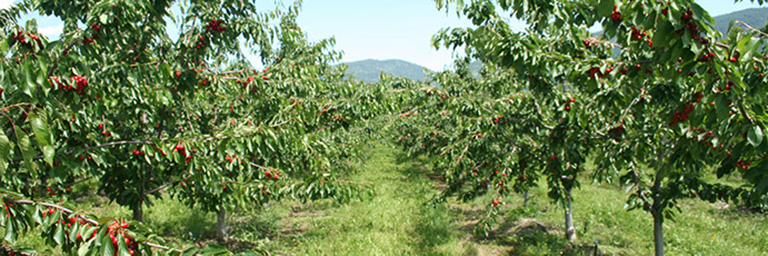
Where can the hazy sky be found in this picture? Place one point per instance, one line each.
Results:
(384, 29)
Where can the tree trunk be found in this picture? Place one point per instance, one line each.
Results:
(570, 231)
(525, 199)
(137, 211)
(657, 209)
(658, 233)
(221, 225)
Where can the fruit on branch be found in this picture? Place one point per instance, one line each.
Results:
(81, 84)
(616, 15)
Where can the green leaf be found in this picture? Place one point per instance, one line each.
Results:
(662, 35)
(122, 247)
(605, 8)
(5, 152)
(105, 220)
(73, 232)
(29, 82)
(214, 249)
(10, 234)
(96, 158)
(43, 135)
(85, 248)
(755, 136)
(26, 148)
(58, 235)
(106, 246)
(191, 251)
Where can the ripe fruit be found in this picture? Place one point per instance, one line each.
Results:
(616, 15)
(216, 26)
(136, 152)
(80, 82)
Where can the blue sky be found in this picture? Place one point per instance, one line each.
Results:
(384, 29)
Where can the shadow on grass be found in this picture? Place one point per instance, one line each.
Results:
(516, 233)
(523, 235)
(172, 218)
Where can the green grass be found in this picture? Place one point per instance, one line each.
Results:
(397, 221)
(700, 229)
(394, 222)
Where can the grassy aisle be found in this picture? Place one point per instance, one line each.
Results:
(394, 222)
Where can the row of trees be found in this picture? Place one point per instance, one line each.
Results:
(659, 98)
(120, 102)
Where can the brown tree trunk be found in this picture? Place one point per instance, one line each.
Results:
(137, 211)
(221, 225)
(525, 199)
(570, 231)
(658, 233)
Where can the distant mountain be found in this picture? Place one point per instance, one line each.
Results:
(755, 17)
(369, 70)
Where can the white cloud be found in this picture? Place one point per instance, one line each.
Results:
(51, 31)
(4, 4)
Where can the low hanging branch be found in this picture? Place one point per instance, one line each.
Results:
(11, 251)
(84, 218)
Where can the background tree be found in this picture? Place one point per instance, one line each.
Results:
(643, 74)
(120, 101)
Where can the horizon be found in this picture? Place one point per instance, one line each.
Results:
(381, 31)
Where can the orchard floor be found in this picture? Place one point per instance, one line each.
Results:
(396, 221)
